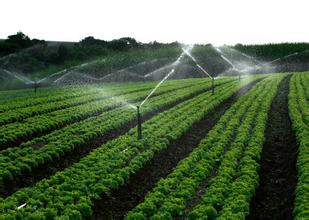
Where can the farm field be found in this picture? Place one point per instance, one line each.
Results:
(232, 148)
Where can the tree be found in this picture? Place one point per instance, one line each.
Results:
(19, 39)
(90, 41)
(119, 45)
(131, 42)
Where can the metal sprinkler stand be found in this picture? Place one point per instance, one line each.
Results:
(139, 124)
(213, 85)
(35, 86)
(238, 77)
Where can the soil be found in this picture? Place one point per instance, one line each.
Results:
(200, 192)
(133, 192)
(274, 199)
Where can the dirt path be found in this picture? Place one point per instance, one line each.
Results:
(278, 177)
(132, 193)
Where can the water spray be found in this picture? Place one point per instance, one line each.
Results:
(253, 59)
(229, 62)
(139, 120)
(23, 79)
(165, 78)
(281, 58)
(139, 123)
(201, 68)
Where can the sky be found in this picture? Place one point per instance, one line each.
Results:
(193, 21)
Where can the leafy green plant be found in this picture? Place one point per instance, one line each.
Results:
(171, 194)
(299, 114)
(61, 142)
(111, 164)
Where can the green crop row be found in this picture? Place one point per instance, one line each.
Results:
(52, 94)
(299, 114)
(10, 96)
(238, 175)
(44, 95)
(27, 128)
(63, 101)
(69, 193)
(94, 94)
(16, 161)
(169, 199)
(305, 83)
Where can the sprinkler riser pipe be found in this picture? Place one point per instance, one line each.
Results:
(35, 87)
(213, 86)
(139, 124)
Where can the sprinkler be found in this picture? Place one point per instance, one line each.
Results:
(239, 77)
(35, 84)
(213, 85)
(139, 124)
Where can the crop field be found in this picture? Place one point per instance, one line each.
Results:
(229, 148)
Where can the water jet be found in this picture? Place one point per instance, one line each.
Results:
(230, 62)
(201, 68)
(281, 58)
(139, 121)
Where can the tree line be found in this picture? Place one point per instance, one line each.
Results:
(273, 51)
